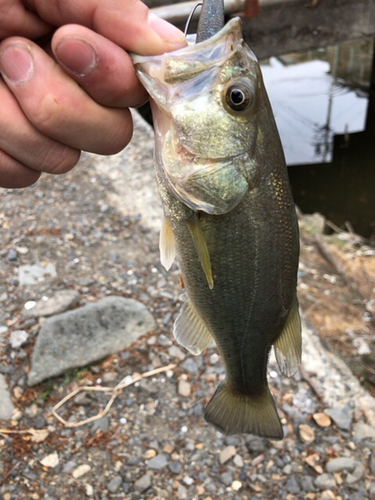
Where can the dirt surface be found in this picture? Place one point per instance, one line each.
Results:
(153, 443)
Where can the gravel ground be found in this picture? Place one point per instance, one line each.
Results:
(97, 226)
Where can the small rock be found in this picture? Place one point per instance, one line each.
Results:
(292, 485)
(143, 483)
(175, 467)
(59, 302)
(149, 454)
(238, 461)
(306, 433)
(81, 470)
(12, 255)
(175, 352)
(80, 337)
(158, 462)
(184, 388)
(89, 490)
(236, 485)
(18, 338)
(102, 424)
(164, 341)
(340, 464)
(325, 482)
(256, 444)
(34, 274)
(307, 483)
(69, 466)
(114, 484)
(322, 419)
(189, 365)
(182, 492)
(214, 358)
(342, 416)
(226, 478)
(363, 431)
(6, 405)
(109, 377)
(372, 462)
(51, 460)
(227, 454)
(188, 480)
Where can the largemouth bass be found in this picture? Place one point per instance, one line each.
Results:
(229, 218)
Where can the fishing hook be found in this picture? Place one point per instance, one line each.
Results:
(199, 4)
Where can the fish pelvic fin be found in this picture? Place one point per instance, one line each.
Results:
(235, 413)
(190, 331)
(288, 347)
(167, 244)
(201, 247)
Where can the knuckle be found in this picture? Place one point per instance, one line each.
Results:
(59, 159)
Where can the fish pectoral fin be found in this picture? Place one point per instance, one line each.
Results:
(201, 247)
(235, 413)
(190, 331)
(167, 244)
(288, 347)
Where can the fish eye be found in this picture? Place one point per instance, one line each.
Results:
(239, 96)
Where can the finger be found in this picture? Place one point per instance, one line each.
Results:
(15, 175)
(17, 20)
(100, 66)
(26, 145)
(56, 105)
(127, 23)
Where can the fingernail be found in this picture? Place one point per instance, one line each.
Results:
(77, 55)
(165, 30)
(16, 63)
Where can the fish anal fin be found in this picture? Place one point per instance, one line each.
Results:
(190, 331)
(288, 347)
(201, 247)
(234, 413)
(167, 244)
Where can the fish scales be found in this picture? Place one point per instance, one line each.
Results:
(230, 218)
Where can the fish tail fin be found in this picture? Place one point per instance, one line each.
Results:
(234, 413)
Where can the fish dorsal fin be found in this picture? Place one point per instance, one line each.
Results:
(288, 347)
(201, 247)
(167, 244)
(190, 331)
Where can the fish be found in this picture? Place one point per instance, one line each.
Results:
(229, 218)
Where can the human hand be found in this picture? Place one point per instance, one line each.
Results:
(73, 94)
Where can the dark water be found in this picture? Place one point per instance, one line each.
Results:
(324, 107)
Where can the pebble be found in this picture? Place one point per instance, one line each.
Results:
(342, 416)
(158, 462)
(238, 461)
(322, 419)
(307, 483)
(214, 358)
(175, 352)
(114, 484)
(188, 480)
(51, 461)
(34, 274)
(182, 492)
(81, 470)
(256, 444)
(12, 255)
(6, 404)
(363, 431)
(292, 485)
(236, 485)
(226, 478)
(189, 365)
(325, 482)
(143, 483)
(109, 377)
(69, 466)
(175, 467)
(18, 338)
(227, 454)
(306, 433)
(89, 490)
(355, 468)
(184, 388)
(372, 462)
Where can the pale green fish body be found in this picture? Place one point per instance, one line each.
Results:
(230, 218)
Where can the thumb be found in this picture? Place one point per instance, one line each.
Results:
(128, 23)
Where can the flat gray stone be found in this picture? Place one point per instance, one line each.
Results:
(34, 274)
(325, 482)
(158, 462)
(342, 416)
(363, 431)
(6, 405)
(143, 483)
(59, 302)
(87, 334)
(114, 484)
(340, 464)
